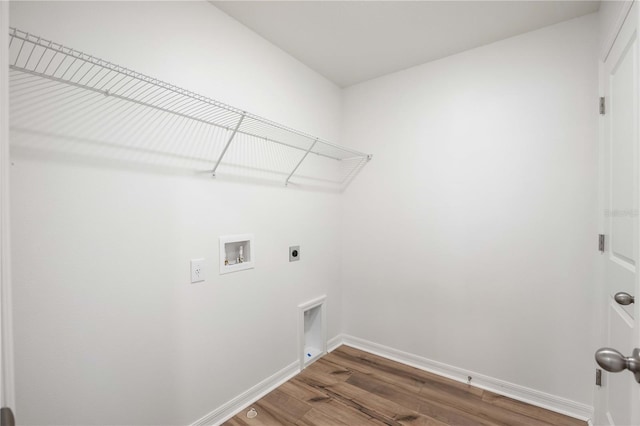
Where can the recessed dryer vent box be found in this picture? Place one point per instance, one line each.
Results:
(312, 331)
(237, 253)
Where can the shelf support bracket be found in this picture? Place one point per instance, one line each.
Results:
(224, 151)
(286, 182)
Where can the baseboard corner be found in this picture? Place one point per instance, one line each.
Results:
(335, 342)
(234, 406)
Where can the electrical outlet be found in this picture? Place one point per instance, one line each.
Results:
(197, 270)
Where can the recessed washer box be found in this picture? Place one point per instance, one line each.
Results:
(237, 253)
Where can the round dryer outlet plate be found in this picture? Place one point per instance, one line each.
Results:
(294, 253)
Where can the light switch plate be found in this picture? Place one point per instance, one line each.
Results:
(197, 270)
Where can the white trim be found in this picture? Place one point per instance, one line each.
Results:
(511, 390)
(610, 39)
(7, 393)
(624, 315)
(237, 404)
(312, 303)
(335, 342)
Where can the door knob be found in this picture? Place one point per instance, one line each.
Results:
(624, 298)
(6, 417)
(613, 361)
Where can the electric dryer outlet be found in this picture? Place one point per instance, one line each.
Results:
(294, 253)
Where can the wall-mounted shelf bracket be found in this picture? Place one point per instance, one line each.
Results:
(233, 134)
(286, 182)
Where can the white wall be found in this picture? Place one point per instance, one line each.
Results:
(471, 237)
(108, 328)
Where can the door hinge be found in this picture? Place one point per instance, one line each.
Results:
(598, 377)
(601, 243)
(602, 106)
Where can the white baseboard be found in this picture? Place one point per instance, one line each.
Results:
(334, 343)
(233, 407)
(511, 390)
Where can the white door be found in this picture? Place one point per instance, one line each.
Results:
(620, 393)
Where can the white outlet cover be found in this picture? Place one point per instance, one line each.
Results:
(197, 270)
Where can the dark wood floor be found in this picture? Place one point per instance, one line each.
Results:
(352, 387)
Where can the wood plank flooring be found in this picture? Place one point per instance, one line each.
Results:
(352, 387)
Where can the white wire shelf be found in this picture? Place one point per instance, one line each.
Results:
(58, 91)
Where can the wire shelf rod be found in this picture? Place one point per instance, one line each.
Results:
(41, 56)
(69, 68)
(64, 59)
(186, 105)
(208, 112)
(76, 71)
(114, 85)
(48, 64)
(152, 96)
(162, 97)
(353, 171)
(224, 151)
(132, 89)
(83, 75)
(32, 49)
(19, 51)
(115, 75)
(286, 182)
(89, 83)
